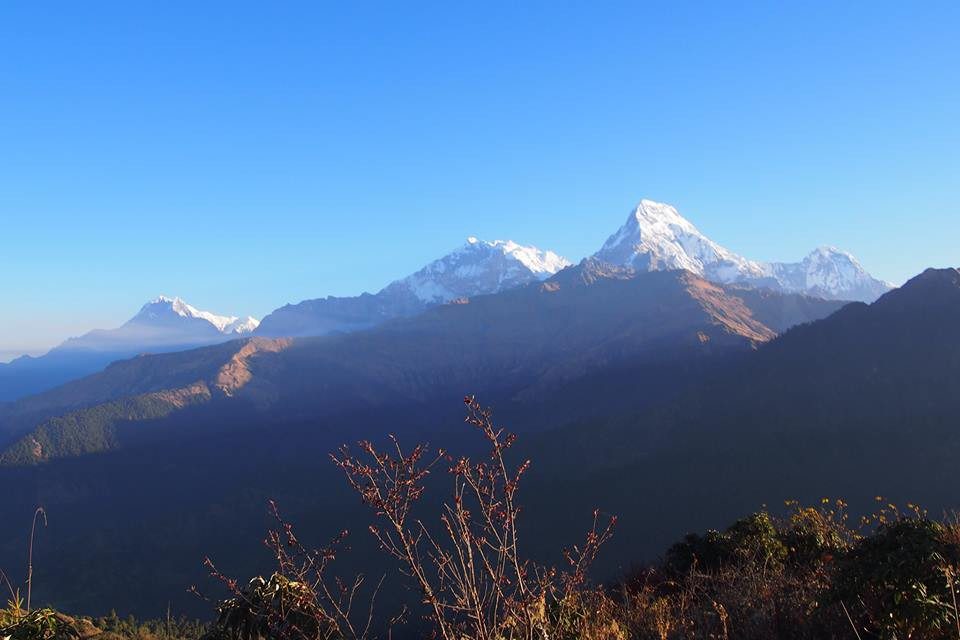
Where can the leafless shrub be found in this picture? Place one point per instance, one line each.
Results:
(301, 600)
(471, 574)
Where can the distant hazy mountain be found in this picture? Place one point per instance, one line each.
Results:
(163, 324)
(171, 320)
(478, 267)
(656, 237)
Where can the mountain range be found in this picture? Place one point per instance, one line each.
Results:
(162, 439)
(648, 391)
(655, 237)
(663, 374)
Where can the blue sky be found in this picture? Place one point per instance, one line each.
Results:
(245, 155)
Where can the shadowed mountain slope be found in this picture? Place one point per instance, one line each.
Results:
(125, 378)
(862, 403)
(893, 365)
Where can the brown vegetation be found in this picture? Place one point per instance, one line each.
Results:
(811, 574)
(808, 575)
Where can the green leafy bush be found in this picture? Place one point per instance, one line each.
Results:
(753, 539)
(898, 582)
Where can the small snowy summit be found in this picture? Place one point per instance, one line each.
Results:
(162, 325)
(476, 268)
(163, 309)
(656, 237)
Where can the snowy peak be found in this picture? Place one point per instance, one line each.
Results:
(540, 263)
(656, 237)
(830, 267)
(242, 326)
(476, 268)
(163, 309)
(828, 272)
(658, 216)
(831, 257)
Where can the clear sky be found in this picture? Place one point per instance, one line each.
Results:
(246, 155)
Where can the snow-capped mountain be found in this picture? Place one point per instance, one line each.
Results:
(162, 324)
(478, 267)
(162, 310)
(828, 272)
(656, 237)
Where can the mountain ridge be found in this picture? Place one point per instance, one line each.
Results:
(475, 268)
(524, 341)
(907, 342)
(57, 436)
